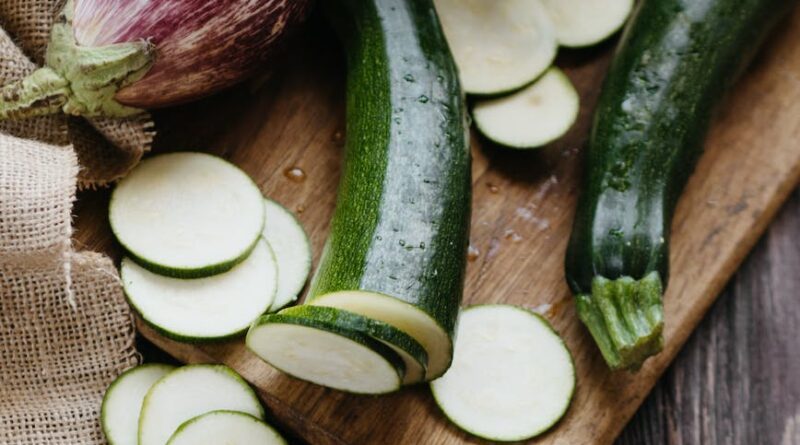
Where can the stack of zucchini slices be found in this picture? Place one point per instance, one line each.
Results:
(206, 253)
(505, 52)
(158, 404)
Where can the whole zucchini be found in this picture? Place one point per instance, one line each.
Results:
(672, 66)
(397, 246)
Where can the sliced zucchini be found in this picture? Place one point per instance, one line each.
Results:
(407, 317)
(580, 23)
(533, 116)
(187, 214)
(292, 251)
(212, 308)
(499, 46)
(326, 354)
(512, 377)
(119, 413)
(225, 427)
(189, 392)
(411, 351)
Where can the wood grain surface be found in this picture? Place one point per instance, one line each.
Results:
(522, 209)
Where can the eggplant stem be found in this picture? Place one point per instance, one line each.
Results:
(77, 80)
(625, 317)
(42, 92)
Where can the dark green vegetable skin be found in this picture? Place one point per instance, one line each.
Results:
(674, 62)
(401, 225)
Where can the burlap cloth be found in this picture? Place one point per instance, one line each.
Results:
(65, 329)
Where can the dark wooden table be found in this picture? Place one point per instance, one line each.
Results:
(737, 380)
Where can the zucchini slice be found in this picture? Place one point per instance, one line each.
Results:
(397, 247)
(327, 354)
(189, 392)
(225, 427)
(580, 23)
(512, 377)
(292, 251)
(119, 413)
(499, 46)
(187, 215)
(211, 308)
(412, 352)
(533, 116)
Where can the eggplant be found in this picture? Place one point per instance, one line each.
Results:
(117, 58)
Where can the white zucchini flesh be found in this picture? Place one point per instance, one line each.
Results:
(325, 354)
(225, 427)
(119, 414)
(498, 46)
(187, 214)
(292, 251)
(210, 308)
(580, 23)
(404, 316)
(533, 116)
(512, 377)
(189, 392)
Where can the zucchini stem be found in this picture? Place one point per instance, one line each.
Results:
(625, 317)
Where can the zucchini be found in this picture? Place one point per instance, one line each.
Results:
(398, 241)
(410, 351)
(292, 251)
(187, 215)
(328, 354)
(512, 376)
(531, 117)
(202, 309)
(580, 23)
(119, 413)
(189, 392)
(225, 427)
(499, 46)
(674, 62)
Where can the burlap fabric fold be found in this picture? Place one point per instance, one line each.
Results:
(65, 329)
(107, 148)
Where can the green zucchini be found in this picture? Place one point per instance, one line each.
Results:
(674, 62)
(399, 235)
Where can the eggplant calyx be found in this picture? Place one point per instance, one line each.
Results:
(78, 80)
(625, 317)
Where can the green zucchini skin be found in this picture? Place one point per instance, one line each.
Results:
(673, 64)
(401, 224)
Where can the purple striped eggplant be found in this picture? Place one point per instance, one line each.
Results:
(119, 57)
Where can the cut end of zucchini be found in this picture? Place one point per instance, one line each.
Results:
(512, 377)
(292, 251)
(201, 309)
(533, 116)
(498, 46)
(580, 23)
(119, 414)
(225, 427)
(187, 214)
(404, 316)
(326, 354)
(625, 317)
(410, 351)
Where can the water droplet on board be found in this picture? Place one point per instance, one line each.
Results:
(300, 209)
(473, 253)
(338, 138)
(511, 235)
(493, 188)
(295, 174)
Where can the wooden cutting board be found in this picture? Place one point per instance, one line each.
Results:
(522, 210)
